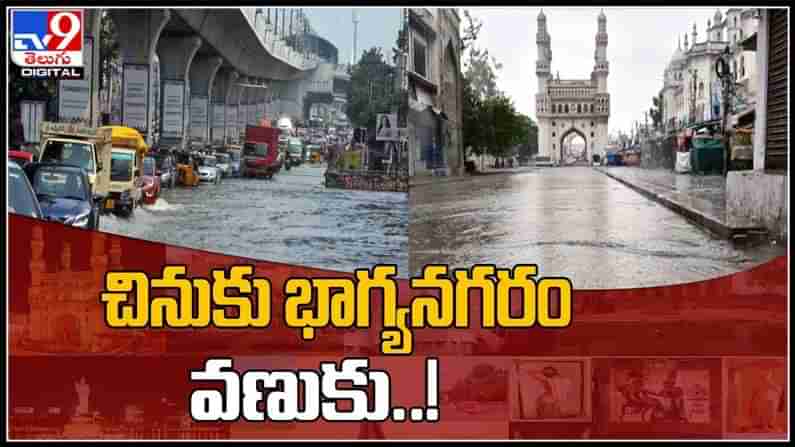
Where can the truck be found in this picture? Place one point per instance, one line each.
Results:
(86, 147)
(260, 152)
(127, 154)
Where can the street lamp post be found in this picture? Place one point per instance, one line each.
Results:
(723, 70)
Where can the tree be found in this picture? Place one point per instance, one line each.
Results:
(481, 70)
(480, 84)
(473, 131)
(372, 89)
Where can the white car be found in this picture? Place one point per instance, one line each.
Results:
(208, 171)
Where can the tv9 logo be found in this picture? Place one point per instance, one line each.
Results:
(47, 37)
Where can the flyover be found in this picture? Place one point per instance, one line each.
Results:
(210, 60)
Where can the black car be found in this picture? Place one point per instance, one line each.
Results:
(21, 198)
(64, 194)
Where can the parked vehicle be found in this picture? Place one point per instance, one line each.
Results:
(22, 158)
(235, 156)
(64, 194)
(313, 153)
(127, 154)
(260, 152)
(21, 198)
(86, 147)
(150, 181)
(223, 164)
(208, 170)
(166, 169)
(187, 169)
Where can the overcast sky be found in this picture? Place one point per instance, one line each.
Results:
(641, 42)
(378, 27)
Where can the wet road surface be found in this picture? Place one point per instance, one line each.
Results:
(292, 218)
(574, 222)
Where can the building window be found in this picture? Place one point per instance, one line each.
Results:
(567, 108)
(420, 59)
(741, 34)
(553, 124)
(591, 123)
(579, 108)
(553, 134)
(591, 134)
(742, 66)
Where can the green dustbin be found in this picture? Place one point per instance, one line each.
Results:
(706, 156)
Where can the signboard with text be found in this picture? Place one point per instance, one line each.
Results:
(173, 108)
(218, 123)
(198, 118)
(232, 123)
(74, 95)
(135, 97)
(48, 43)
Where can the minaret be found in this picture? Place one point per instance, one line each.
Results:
(717, 27)
(543, 64)
(601, 66)
(544, 61)
(695, 34)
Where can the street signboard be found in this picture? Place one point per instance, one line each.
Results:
(135, 97)
(173, 108)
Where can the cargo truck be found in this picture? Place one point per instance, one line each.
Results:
(260, 152)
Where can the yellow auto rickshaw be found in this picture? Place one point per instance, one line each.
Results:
(127, 154)
(187, 174)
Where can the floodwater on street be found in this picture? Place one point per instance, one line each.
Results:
(292, 218)
(573, 222)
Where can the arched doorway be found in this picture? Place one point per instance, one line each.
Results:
(573, 146)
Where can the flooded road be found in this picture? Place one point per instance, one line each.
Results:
(292, 218)
(574, 222)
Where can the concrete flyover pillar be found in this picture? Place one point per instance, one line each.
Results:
(245, 92)
(232, 127)
(78, 100)
(221, 90)
(176, 55)
(202, 73)
(139, 31)
(92, 23)
(253, 97)
(262, 98)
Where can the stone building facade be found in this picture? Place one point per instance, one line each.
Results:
(691, 89)
(435, 92)
(571, 106)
